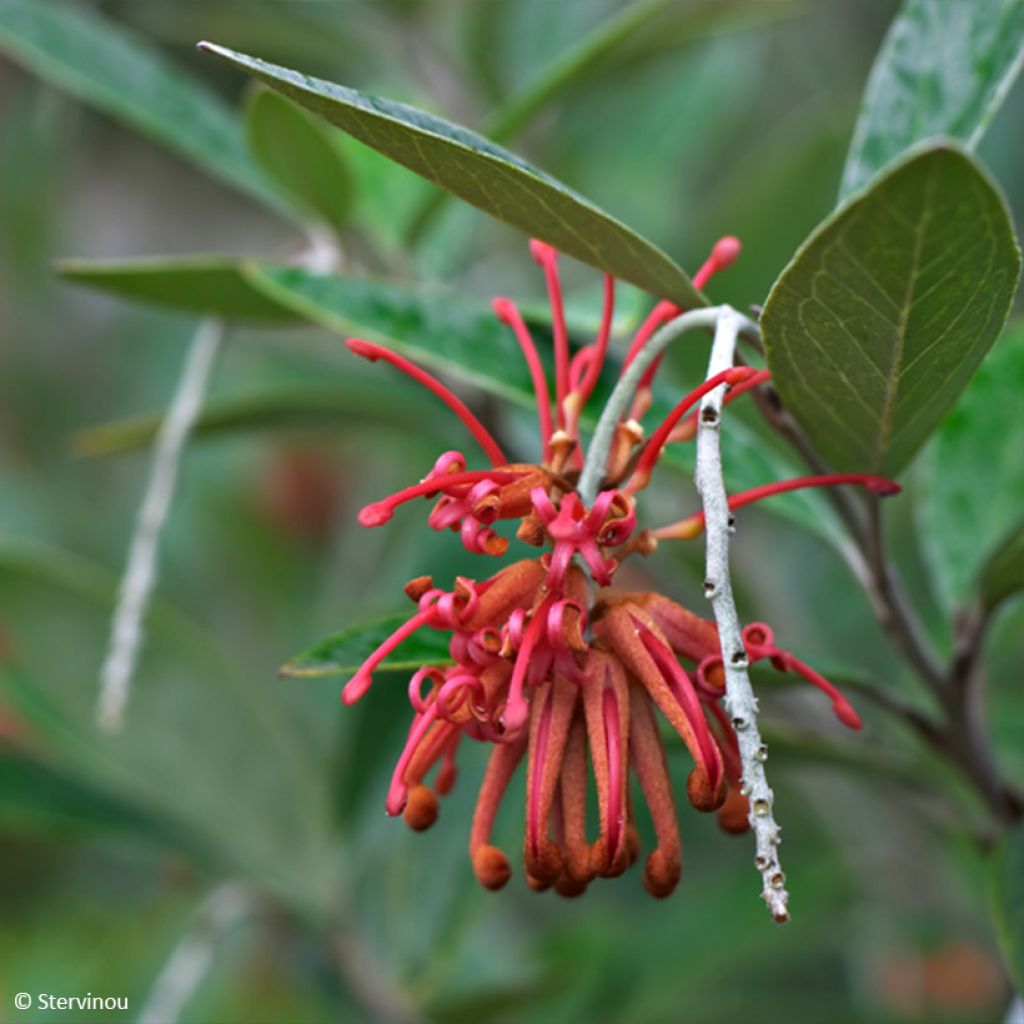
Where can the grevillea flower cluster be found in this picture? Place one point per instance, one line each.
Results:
(549, 664)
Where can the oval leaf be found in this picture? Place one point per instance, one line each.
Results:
(943, 69)
(211, 285)
(974, 473)
(298, 152)
(484, 175)
(343, 653)
(1006, 890)
(886, 311)
(99, 63)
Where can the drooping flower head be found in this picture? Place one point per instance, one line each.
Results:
(549, 664)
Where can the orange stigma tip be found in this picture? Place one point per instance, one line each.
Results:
(421, 808)
(734, 814)
(661, 874)
(569, 888)
(491, 868)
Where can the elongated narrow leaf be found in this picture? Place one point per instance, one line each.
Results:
(196, 724)
(484, 175)
(101, 64)
(943, 69)
(35, 795)
(344, 652)
(457, 337)
(298, 152)
(886, 311)
(344, 405)
(974, 473)
(632, 35)
(1006, 892)
(199, 284)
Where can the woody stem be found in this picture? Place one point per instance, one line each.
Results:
(739, 700)
(962, 738)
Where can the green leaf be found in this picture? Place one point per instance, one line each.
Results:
(633, 34)
(1006, 898)
(943, 69)
(35, 795)
(637, 32)
(355, 404)
(344, 652)
(1003, 574)
(438, 329)
(299, 153)
(484, 175)
(196, 724)
(101, 64)
(885, 312)
(974, 473)
(211, 285)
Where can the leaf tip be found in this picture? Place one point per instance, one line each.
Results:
(204, 46)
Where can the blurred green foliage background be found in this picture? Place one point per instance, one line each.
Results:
(228, 776)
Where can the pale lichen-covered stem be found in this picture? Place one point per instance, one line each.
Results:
(190, 962)
(622, 396)
(140, 574)
(740, 702)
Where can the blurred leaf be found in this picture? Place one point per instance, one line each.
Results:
(100, 63)
(34, 795)
(943, 69)
(200, 284)
(974, 472)
(439, 329)
(1003, 575)
(298, 152)
(205, 746)
(348, 404)
(635, 33)
(1006, 892)
(885, 312)
(344, 652)
(484, 175)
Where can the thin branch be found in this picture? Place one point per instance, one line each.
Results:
(192, 958)
(740, 701)
(893, 609)
(779, 418)
(868, 561)
(140, 575)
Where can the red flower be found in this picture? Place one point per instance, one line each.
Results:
(544, 670)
